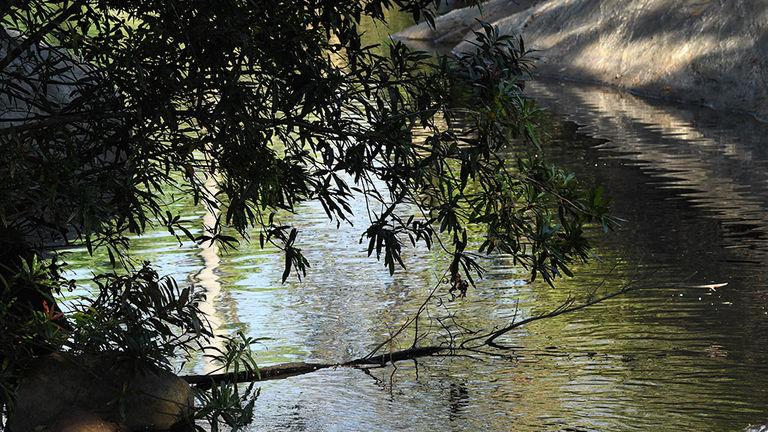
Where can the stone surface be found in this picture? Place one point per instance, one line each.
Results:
(707, 52)
(55, 388)
(84, 422)
(17, 106)
(453, 26)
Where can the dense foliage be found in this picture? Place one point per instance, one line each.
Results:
(255, 107)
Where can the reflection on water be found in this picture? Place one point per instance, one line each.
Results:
(208, 279)
(688, 352)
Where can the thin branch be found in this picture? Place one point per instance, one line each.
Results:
(408, 322)
(560, 310)
(39, 35)
(286, 370)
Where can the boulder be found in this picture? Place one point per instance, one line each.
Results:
(55, 387)
(84, 422)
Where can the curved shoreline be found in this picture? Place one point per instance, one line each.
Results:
(713, 54)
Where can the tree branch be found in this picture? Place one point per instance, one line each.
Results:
(39, 34)
(286, 370)
(560, 310)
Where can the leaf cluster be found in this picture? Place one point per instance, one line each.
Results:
(139, 317)
(280, 103)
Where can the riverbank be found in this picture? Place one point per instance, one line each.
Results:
(705, 52)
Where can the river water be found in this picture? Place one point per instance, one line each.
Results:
(687, 351)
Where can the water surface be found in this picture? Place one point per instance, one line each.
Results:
(687, 352)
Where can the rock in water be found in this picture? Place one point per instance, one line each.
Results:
(56, 387)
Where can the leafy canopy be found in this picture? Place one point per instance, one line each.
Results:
(259, 106)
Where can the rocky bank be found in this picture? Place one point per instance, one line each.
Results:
(709, 52)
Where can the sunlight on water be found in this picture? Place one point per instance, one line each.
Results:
(687, 352)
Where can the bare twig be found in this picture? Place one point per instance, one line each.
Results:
(567, 307)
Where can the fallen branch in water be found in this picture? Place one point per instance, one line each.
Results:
(266, 373)
(286, 370)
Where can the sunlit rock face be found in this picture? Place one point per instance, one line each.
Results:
(84, 422)
(453, 26)
(707, 52)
